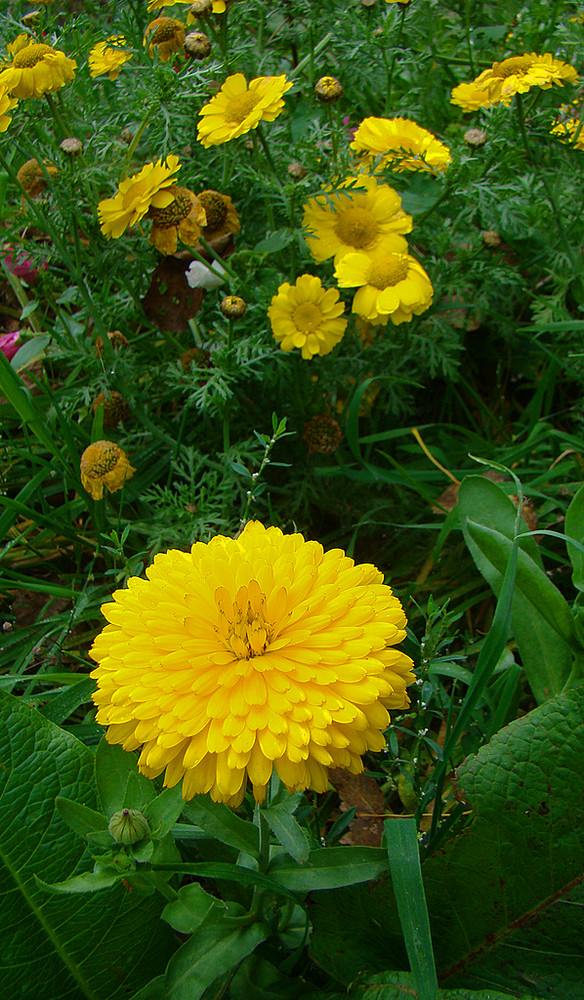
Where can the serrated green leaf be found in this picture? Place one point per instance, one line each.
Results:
(45, 938)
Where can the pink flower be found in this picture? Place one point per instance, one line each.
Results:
(9, 344)
(20, 264)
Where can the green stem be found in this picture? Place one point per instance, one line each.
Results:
(137, 137)
(266, 193)
(226, 428)
(61, 126)
(266, 149)
(468, 42)
(391, 69)
(333, 131)
(220, 260)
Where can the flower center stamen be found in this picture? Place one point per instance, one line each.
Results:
(31, 55)
(167, 29)
(307, 317)
(240, 107)
(242, 622)
(104, 463)
(356, 227)
(215, 208)
(389, 271)
(174, 213)
(515, 66)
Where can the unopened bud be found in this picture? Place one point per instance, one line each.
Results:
(328, 89)
(72, 146)
(197, 45)
(126, 135)
(491, 239)
(233, 307)
(475, 137)
(128, 826)
(200, 8)
(296, 170)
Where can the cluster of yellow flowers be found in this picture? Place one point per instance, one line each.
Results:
(360, 223)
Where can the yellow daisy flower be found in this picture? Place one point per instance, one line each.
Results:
(222, 219)
(361, 215)
(307, 316)
(183, 219)
(392, 286)
(7, 104)
(238, 108)
(516, 75)
(36, 69)
(401, 144)
(165, 34)
(248, 655)
(104, 464)
(136, 195)
(109, 59)
(568, 128)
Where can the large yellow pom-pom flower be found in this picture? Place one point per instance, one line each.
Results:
(237, 108)
(392, 286)
(108, 57)
(149, 187)
(36, 68)
(307, 316)
(400, 144)
(104, 465)
(515, 75)
(247, 655)
(361, 215)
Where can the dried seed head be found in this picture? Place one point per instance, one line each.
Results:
(322, 434)
(116, 339)
(475, 137)
(491, 239)
(72, 146)
(296, 170)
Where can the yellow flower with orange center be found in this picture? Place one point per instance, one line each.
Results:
(400, 144)
(307, 316)
(36, 68)
(360, 215)
(181, 220)
(238, 108)
(247, 656)
(136, 194)
(391, 286)
(104, 465)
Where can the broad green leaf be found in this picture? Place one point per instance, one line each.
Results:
(87, 882)
(62, 705)
(220, 822)
(190, 909)
(164, 811)
(574, 528)
(210, 952)
(54, 947)
(288, 831)
(505, 897)
(118, 782)
(330, 867)
(546, 657)
(401, 986)
(275, 241)
(80, 818)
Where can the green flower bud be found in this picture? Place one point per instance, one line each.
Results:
(128, 826)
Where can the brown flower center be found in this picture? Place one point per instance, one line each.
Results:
(515, 66)
(242, 622)
(215, 208)
(240, 107)
(103, 460)
(166, 29)
(174, 213)
(389, 271)
(30, 55)
(356, 227)
(307, 317)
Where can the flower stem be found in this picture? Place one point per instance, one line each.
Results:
(220, 260)
(61, 126)
(390, 70)
(137, 137)
(333, 130)
(266, 194)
